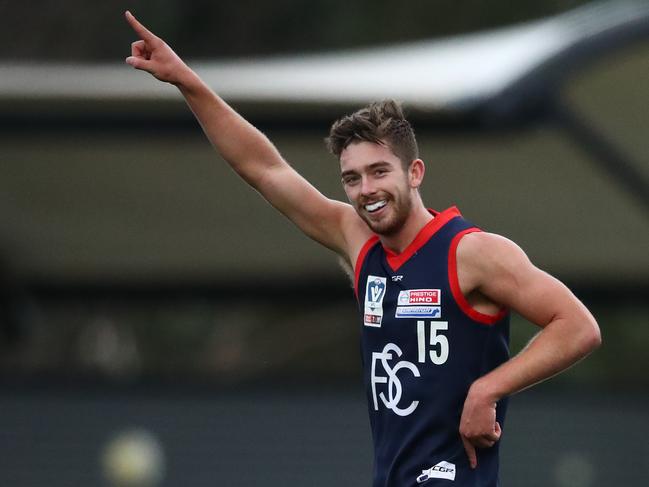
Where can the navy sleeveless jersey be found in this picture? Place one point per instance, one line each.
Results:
(422, 347)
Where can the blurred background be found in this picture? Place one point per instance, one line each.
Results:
(160, 324)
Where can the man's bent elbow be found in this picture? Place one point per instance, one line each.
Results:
(591, 336)
(596, 340)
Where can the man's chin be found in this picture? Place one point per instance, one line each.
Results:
(384, 227)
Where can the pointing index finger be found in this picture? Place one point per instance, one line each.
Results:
(142, 31)
(470, 452)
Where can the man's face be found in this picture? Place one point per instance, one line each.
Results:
(376, 185)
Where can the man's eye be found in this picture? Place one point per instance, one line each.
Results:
(350, 180)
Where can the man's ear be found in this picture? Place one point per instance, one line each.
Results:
(416, 173)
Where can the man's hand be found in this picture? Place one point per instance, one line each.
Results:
(153, 55)
(478, 425)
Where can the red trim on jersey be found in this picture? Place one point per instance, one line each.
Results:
(460, 299)
(397, 260)
(359, 260)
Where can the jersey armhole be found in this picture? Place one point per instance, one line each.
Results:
(454, 282)
(360, 259)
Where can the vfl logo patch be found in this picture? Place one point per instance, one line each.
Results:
(374, 294)
(443, 470)
(418, 312)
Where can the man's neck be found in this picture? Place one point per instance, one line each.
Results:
(417, 220)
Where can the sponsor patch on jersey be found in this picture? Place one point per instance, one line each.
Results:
(443, 470)
(374, 294)
(418, 312)
(411, 297)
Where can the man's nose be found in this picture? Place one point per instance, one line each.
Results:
(367, 186)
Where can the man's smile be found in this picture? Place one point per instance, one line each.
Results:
(377, 205)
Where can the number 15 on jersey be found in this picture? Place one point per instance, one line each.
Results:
(438, 352)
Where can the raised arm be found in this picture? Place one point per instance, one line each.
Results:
(500, 271)
(249, 152)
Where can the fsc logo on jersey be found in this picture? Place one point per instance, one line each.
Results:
(388, 359)
(374, 294)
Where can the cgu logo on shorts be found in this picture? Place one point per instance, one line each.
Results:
(394, 388)
(443, 470)
(374, 294)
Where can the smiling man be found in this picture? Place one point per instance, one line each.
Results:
(434, 292)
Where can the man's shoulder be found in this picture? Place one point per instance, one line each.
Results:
(483, 254)
(479, 242)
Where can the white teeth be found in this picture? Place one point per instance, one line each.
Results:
(375, 206)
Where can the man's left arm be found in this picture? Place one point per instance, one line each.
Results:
(499, 271)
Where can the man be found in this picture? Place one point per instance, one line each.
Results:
(433, 290)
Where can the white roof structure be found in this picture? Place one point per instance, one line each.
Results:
(444, 74)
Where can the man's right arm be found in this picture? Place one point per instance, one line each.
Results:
(249, 152)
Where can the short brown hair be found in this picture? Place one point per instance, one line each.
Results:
(381, 123)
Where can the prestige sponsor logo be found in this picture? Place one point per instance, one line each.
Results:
(419, 303)
(419, 296)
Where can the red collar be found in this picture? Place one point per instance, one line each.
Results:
(441, 218)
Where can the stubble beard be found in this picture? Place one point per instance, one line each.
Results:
(392, 223)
